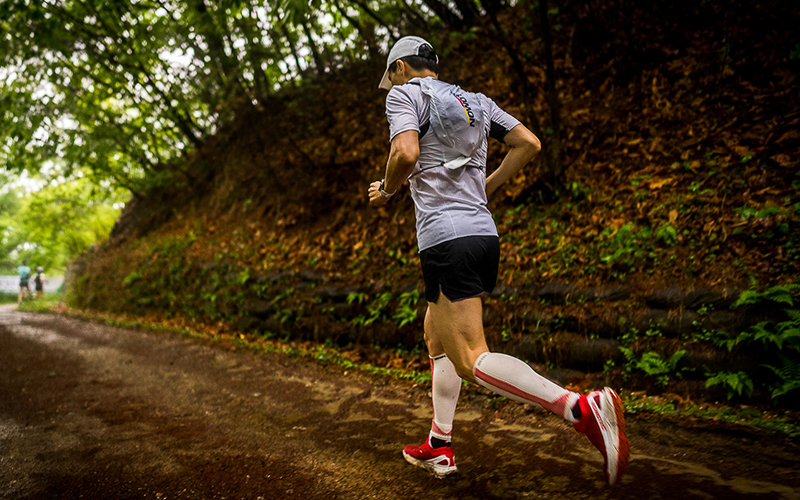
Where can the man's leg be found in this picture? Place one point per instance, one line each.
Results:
(436, 454)
(459, 328)
(445, 388)
(598, 415)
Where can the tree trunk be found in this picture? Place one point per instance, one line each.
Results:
(255, 53)
(292, 47)
(420, 21)
(468, 11)
(320, 65)
(519, 69)
(367, 36)
(377, 18)
(448, 17)
(226, 69)
(552, 94)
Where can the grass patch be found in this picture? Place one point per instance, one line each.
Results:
(46, 304)
(773, 423)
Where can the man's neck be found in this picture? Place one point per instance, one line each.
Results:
(422, 74)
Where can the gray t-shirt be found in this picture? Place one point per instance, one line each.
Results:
(448, 203)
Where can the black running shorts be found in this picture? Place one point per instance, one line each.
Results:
(461, 268)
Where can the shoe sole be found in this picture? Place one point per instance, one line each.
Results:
(615, 439)
(437, 470)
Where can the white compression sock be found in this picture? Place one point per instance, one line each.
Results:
(514, 379)
(446, 386)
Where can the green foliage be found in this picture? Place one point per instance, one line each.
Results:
(794, 54)
(782, 294)
(773, 339)
(55, 224)
(783, 425)
(735, 383)
(769, 335)
(788, 376)
(652, 364)
(357, 297)
(44, 304)
(11, 237)
(122, 89)
(376, 310)
(406, 311)
(667, 235)
(624, 247)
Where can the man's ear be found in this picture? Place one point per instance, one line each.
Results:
(401, 68)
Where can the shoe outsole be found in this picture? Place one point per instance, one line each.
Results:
(617, 419)
(435, 469)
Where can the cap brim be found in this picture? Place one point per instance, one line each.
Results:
(385, 84)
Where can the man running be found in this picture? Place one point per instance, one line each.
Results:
(435, 146)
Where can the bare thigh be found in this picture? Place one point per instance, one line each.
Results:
(456, 329)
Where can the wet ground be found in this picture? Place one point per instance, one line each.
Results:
(92, 411)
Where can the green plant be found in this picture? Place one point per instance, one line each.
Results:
(406, 311)
(652, 364)
(357, 297)
(788, 377)
(777, 338)
(624, 247)
(131, 278)
(794, 54)
(375, 310)
(667, 235)
(736, 384)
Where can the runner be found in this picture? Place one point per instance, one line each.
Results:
(38, 282)
(439, 136)
(24, 273)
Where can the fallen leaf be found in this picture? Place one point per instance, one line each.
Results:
(659, 184)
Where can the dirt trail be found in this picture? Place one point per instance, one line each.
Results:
(92, 411)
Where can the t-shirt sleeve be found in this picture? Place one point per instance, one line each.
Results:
(400, 112)
(500, 121)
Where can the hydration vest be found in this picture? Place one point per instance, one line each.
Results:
(457, 120)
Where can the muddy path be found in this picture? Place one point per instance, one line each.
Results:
(92, 411)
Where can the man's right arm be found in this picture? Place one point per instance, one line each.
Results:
(524, 147)
(404, 152)
(402, 159)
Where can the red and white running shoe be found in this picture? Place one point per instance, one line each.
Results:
(603, 422)
(439, 461)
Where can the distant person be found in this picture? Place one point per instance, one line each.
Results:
(24, 273)
(439, 137)
(38, 282)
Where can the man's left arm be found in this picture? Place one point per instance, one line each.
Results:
(523, 147)
(403, 156)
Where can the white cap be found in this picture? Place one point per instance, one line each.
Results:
(406, 46)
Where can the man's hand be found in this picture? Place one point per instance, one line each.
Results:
(376, 199)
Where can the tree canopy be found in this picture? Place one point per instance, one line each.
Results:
(52, 225)
(123, 88)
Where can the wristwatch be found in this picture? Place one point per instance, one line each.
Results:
(384, 193)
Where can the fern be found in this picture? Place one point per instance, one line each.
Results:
(653, 364)
(788, 374)
(738, 383)
(782, 294)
